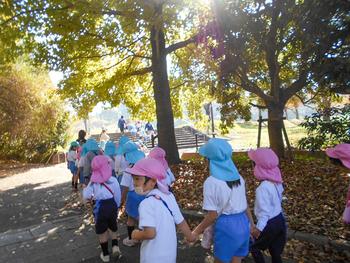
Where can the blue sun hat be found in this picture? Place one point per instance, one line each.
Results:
(91, 145)
(74, 144)
(110, 149)
(122, 140)
(219, 153)
(132, 152)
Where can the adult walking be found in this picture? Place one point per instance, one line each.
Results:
(121, 124)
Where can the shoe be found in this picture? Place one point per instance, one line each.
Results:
(115, 251)
(104, 258)
(129, 242)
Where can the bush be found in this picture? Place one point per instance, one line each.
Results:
(33, 122)
(326, 128)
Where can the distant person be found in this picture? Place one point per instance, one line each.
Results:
(80, 159)
(149, 128)
(81, 137)
(103, 138)
(121, 124)
(71, 162)
(138, 126)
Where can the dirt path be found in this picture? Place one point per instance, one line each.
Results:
(32, 195)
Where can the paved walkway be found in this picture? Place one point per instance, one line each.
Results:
(41, 223)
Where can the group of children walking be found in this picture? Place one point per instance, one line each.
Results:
(122, 177)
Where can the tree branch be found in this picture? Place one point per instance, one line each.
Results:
(257, 106)
(180, 44)
(141, 71)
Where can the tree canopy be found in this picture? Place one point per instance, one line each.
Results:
(276, 49)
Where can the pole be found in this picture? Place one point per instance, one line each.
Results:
(212, 120)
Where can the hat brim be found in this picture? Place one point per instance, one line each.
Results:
(135, 171)
(101, 176)
(331, 152)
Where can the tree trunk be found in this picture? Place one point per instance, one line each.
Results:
(165, 118)
(275, 124)
(297, 113)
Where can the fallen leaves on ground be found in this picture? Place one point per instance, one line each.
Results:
(315, 193)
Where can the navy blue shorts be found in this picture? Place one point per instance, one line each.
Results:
(72, 167)
(105, 214)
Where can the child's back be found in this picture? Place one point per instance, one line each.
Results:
(154, 213)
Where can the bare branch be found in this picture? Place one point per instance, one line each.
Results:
(257, 106)
(141, 71)
(180, 44)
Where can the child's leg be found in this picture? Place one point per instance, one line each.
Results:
(257, 255)
(104, 243)
(236, 260)
(130, 225)
(276, 248)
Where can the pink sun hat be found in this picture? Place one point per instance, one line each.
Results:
(341, 152)
(266, 165)
(150, 168)
(159, 154)
(101, 169)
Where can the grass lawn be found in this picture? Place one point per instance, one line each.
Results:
(245, 135)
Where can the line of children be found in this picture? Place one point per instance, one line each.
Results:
(159, 213)
(270, 231)
(105, 191)
(340, 155)
(130, 198)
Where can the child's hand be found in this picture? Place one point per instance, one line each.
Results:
(255, 233)
(135, 234)
(192, 238)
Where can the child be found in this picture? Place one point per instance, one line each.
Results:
(159, 154)
(159, 213)
(90, 150)
(71, 162)
(226, 203)
(120, 163)
(132, 155)
(111, 152)
(105, 190)
(270, 231)
(340, 154)
(104, 138)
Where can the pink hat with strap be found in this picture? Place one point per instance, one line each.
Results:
(159, 154)
(266, 165)
(101, 169)
(150, 168)
(341, 152)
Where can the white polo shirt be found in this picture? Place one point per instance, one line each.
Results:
(217, 193)
(268, 198)
(153, 213)
(127, 181)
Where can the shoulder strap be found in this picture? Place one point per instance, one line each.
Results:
(109, 189)
(165, 204)
(278, 193)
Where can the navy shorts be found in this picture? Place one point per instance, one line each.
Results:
(105, 214)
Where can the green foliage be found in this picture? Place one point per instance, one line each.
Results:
(103, 47)
(326, 128)
(33, 122)
(266, 52)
